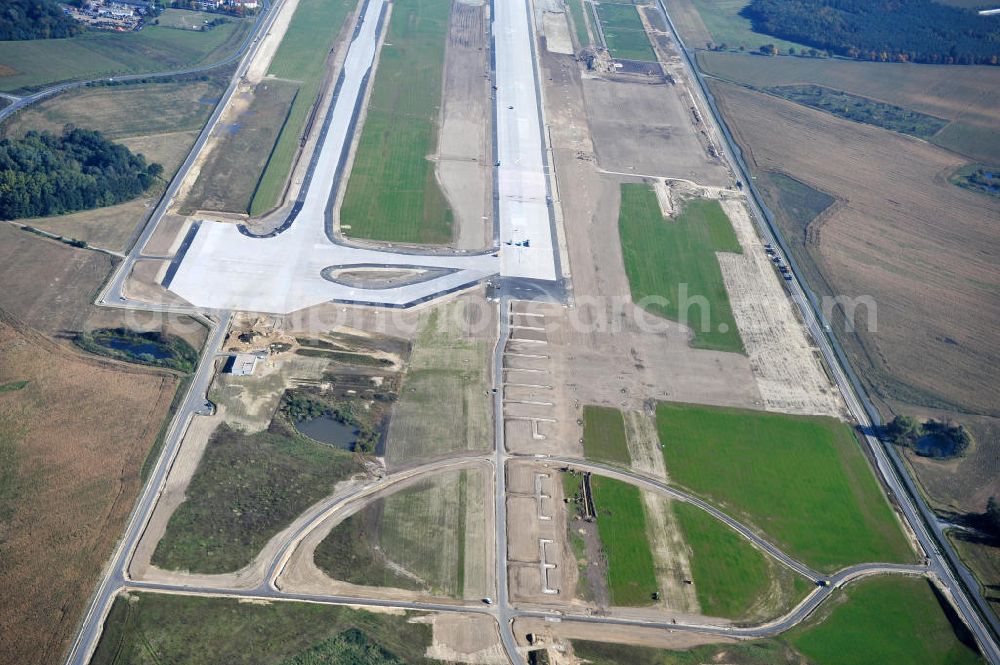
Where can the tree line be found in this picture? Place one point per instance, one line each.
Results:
(35, 19)
(45, 174)
(882, 30)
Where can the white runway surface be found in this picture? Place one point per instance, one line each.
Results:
(224, 269)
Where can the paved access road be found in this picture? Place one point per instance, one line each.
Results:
(944, 561)
(114, 579)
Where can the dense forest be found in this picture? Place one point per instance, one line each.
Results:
(885, 30)
(43, 174)
(35, 19)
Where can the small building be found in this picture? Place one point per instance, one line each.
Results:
(241, 364)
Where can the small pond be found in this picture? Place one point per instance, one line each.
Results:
(329, 431)
(135, 347)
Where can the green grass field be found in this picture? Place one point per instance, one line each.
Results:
(624, 33)
(675, 260)
(41, 62)
(730, 574)
(392, 193)
(245, 490)
(153, 629)
(300, 57)
(887, 620)
(803, 481)
(875, 612)
(604, 435)
(723, 20)
(621, 525)
(579, 23)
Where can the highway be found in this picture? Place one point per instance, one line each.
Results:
(944, 561)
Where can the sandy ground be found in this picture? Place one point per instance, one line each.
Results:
(464, 161)
(143, 283)
(670, 553)
(657, 134)
(536, 513)
(785, 362)
(466, 638)
(556, 33)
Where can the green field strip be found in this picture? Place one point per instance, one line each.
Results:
(624, 33)
(729, 573)
(392, 194)
(621, 525)
(604, 435)
(301, 57)
(579, 23)
(672, 268)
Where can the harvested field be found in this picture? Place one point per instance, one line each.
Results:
(72, 441)
(417, 538)
(656, 136)
(672, 267)
(932, 342)
(392, 193)
(444, 404)
(966, 96)
(123, 111)
(34, 273)
(39, 62)
(147, 629)
(230, 173)
(304, 56)
(779, 473)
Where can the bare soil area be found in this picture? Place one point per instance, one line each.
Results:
(73, 441)
(649, 129)
(464, 162)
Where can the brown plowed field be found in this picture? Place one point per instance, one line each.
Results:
(71, 444)
(924, 250)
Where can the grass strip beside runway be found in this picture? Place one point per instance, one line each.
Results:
(392, 194)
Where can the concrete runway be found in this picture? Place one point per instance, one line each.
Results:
(225, 267)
